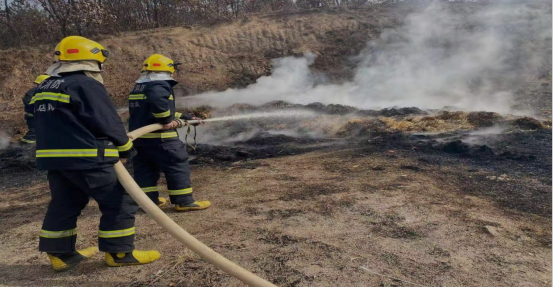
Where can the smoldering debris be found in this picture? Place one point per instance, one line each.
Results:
(17, 157)
(303, 128)
(457, 133)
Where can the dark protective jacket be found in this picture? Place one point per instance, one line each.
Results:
(150, 103)
(29, 137)
(29, 113)
(77, 125)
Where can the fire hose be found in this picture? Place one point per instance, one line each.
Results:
(173, 228)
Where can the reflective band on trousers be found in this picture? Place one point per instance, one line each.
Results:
(178, 115)
(58, 234)
(126, 146)
(27, 141)
(162, 115)
(160, 135)
(116, 233)
(137, 97)
(149, 189)
(75, 153)
(29, 114)
(50, 96)
(180, 191)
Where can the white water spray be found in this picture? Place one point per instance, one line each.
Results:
(273, 114)
(213, 135)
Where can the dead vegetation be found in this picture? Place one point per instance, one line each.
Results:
(232, 54)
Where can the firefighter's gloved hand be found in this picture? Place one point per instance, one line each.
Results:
(197, 119)
(123, 160)
(172, 125)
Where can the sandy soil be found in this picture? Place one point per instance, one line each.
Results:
(329, 215)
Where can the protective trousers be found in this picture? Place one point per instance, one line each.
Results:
(171, 159)
(30, 136)
(71, 191)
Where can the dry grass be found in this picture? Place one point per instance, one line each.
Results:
(309, 220)
(442, 122)
(233, 54)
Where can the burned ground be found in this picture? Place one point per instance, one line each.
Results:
(425, 196)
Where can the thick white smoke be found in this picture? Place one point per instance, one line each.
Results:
(4, 140)
(442, 56)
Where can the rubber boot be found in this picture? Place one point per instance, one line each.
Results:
(66, 261)
(196, 205)
(136, 257)
(161, 201)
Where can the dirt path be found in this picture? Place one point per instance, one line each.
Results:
(315, 219)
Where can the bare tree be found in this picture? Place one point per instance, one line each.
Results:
(44, 21)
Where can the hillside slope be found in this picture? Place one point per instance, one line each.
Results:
(227, 55)
(235, 54)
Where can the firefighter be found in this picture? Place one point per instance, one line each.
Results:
(152, 101)
(79, 139)
(29, 137)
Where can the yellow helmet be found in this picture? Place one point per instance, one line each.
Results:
(76, 48)
(159, 63)
(41, 79)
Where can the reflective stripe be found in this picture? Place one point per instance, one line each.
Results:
(67, 153)
(27, 141)
(162, 115)
(126, 146)
(178, 115)
(149, 189)
(116, 233)
(137, 97)
(160, 135)
(58, 234)
(111, 153)
(50, 96)
(29, 114)
(180, 191)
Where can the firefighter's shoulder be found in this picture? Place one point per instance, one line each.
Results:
(82, 79)
(158, 84)
(157, 88)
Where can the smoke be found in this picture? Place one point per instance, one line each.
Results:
(4, 140)
(290, 78)
(485, 136)
(473, 57)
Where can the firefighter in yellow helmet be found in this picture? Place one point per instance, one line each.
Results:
(29, 137)
(152, 100)
(79, 138)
